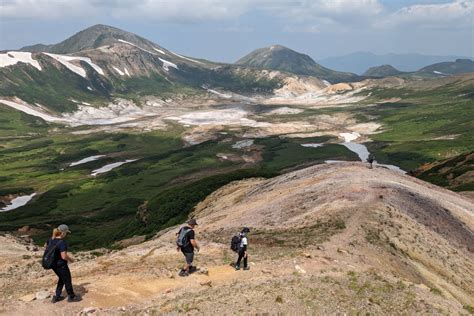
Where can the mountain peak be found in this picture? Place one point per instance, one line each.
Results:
(382, 71)
(278, 57)
(89, 38)
(277, 47)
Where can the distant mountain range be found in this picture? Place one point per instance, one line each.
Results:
(361, 61)
(278, 57)
(459, 66)
(102, 62)
(448, 68)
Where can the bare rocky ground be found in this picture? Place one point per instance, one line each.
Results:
(329, 239)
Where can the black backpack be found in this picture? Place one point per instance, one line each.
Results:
(182, 240)
(48, 256)
(235, 243)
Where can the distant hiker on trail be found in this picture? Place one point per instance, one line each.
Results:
(56, 258)
(239, 244)
(370, 160)
(186, 243)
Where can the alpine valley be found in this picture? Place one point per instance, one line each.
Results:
(124, 139)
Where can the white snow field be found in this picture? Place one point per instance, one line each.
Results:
(120, 72)
(243, 144)
(159, 51)
(18, 202)
(111, 166)
(29, 109)
(312, 145)
(348, 137)
(218, 117)
(85, 160)
(12, 58)
(66, 61)
(145, 50)
(167, 64)
(194, 61)
(284, 110)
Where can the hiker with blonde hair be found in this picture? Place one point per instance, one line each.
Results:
(57, 258)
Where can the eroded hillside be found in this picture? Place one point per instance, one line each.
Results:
(333, 238)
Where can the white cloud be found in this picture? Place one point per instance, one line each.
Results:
(451, 15)
(35, 9)
(303, 15)
(183, 10)
(160, 10)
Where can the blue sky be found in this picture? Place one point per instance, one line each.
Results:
(224, 30)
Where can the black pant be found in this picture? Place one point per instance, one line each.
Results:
(241, 255)
(64, 276)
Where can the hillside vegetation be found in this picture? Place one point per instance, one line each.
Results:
(338, 238)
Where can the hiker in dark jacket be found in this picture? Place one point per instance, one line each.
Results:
(187, 243)
(60, 264)
(243, 249)
(370, 160)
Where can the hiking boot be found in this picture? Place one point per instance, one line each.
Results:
(75, 298)
(56, 299)
(192, 269)
(246, 268)
(183, 273)
(237, 267)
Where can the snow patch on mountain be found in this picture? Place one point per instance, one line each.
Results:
(118, 112)
(243, 144)
(180, 56)
(31, 110)
(111, 166)
(85, 160)
(159, 51)
(120, 72)
(12, 58)
(66, 61)
(222, 95)
(218, 117)
(348, 137)
(284, 111)
(167, 64)
(126, 71)
(143, 49)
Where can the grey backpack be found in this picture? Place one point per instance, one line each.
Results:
(182, 240)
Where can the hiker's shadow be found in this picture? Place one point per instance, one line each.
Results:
(81, 289)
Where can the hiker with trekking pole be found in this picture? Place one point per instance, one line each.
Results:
(187, 243)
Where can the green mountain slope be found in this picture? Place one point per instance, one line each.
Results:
(455, 173)
(459, 66)
(382, 71)
(278, 57)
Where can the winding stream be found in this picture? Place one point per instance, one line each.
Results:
(360, 149)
